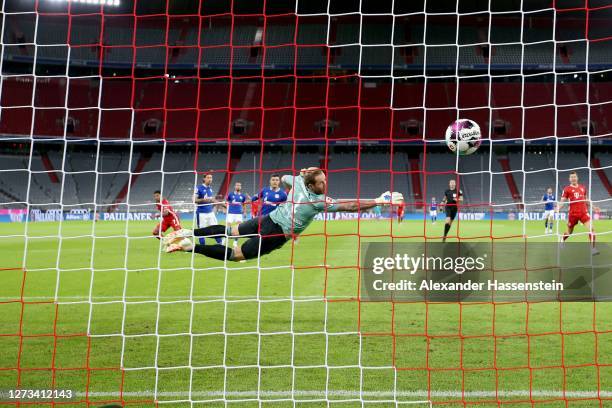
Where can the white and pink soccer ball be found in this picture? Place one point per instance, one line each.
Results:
(463, 136)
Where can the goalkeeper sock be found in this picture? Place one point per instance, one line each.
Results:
(211, 230)
(220, 252)
(208, 231)
(446, 229)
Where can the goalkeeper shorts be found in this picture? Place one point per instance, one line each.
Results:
(270, 236)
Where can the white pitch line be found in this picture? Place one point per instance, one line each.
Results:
(364, 394)
(184, 298)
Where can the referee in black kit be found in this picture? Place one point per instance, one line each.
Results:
(449, 202)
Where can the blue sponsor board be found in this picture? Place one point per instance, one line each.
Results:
(487, 216)
(78, 215)
(54, 215)
(420, 216)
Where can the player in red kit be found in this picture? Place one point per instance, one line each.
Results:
(578, 209)
(400, 212)
(169, 218)
(254, 208)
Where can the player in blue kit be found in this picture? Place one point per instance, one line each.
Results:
(235, 207)
(549, 201)
(271, 196)
(204, 199)
(433, 210)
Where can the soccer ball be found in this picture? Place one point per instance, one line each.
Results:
(463, 136)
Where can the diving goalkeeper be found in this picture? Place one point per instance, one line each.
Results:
(267, 233)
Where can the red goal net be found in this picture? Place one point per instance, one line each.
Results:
(103, 102)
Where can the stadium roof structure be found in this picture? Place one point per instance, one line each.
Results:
(379, 37)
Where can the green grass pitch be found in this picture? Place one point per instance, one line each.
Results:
(262, 331)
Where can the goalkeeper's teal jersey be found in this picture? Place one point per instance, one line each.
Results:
(302, 205)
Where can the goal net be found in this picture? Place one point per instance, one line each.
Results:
(105, 102)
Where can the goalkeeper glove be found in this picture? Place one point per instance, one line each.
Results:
(389, 198)
(384, 198)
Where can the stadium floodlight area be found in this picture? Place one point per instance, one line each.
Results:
(90, 2)
(100, 106)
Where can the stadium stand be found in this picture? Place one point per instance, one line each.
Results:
(150, 122)
(347, 177)
(506, 48)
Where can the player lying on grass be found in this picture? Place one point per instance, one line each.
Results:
(267, 233)
(578, 209)
(451, 197)
(169, 218)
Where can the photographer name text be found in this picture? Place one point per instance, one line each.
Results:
(491, 285)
